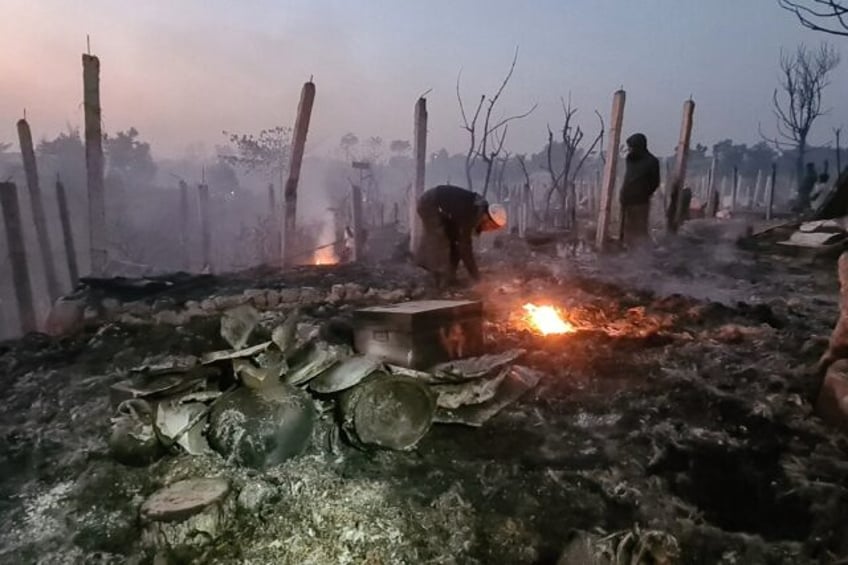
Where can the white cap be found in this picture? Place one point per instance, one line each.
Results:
(498, 214)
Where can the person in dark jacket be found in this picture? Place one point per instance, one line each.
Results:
(450, 217)
(641, 179)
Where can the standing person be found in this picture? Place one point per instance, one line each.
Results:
(641, 180)
(450, 217)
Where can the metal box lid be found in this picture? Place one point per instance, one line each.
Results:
(409, 315)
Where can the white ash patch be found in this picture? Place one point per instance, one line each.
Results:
(43, 518)
(322, 517)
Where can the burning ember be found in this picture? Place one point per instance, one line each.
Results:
(546, 320)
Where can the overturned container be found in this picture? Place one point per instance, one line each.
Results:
(420, 334)
(262, 428)
(388, 411)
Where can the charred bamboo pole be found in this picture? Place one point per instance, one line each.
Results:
(185, 255)
(38, 216)
(770, 197)
(735, 192)
(205, 233)
(610, 169)
(94, 163)
(17, 255)
(301, 128)
(67, 232)
(712, 200)
(420, 153)
(523, 210)
(356, 216)
(681, 161)
(275, 224)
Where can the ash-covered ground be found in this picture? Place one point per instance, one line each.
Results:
(682, 405)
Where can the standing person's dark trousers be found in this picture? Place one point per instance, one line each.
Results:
(635, 220)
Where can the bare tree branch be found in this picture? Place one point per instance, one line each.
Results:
(811, 13)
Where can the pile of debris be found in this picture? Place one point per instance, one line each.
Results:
(282, 390)
(824, 234)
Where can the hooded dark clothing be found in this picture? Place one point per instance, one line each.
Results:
(641, 173)
(450, 216)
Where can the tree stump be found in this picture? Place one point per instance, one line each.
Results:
(187, 516)
(388, 411)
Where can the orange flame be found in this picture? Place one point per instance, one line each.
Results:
(547, 320)
(325, 256)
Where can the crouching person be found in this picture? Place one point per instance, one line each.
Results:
(450, 217)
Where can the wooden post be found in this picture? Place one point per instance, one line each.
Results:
(205, 234)
(419, 151)
(185, 252)
(712, 201)
(735, 188)
(94, 163)
(301, 128)
(356, 215)
(758, 189)
(17, 255)
(770, 198)
(681, 160)
(617, 117)
(38, 216)
(598, 180)
(67, 233)
(275, 235)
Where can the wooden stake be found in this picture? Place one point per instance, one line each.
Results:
(356, 214)
(617, 117)
(38, 216)
(770, 198)
(94, 163)
(419, 151)
(712, 200)
(17, 255)
(205, 235)
(301, 128)
(681, 160)
(185, 252)
(67, 233)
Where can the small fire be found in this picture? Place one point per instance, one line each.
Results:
(325, 256)
(547, 320)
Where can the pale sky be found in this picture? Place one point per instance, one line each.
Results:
(182, 71)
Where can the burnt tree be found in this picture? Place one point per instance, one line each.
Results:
(564, 176)
(486, 139)
(798, 101)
